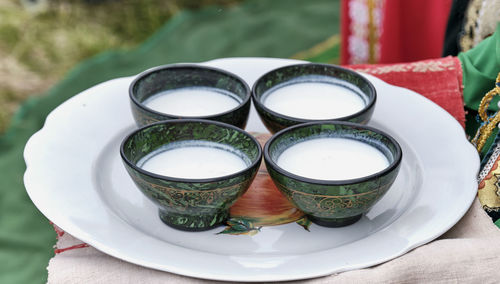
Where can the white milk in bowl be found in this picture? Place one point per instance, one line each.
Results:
(313, 100)
(193, 101)
(332, 159)
(193, 159)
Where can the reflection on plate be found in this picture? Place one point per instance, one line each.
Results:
(75, 177)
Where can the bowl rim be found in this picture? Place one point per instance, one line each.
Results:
(393, 165)
(142, 75)
(254, 163)
(366, 108)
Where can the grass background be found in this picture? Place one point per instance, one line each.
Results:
(41, 40)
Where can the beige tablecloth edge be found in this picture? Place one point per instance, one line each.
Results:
(468, 252)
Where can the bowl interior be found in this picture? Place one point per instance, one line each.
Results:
(167, 78)
(172, 134)
(323, 73)
(291, 136)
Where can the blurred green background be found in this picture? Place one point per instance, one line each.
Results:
(41, 40)
(51, 50)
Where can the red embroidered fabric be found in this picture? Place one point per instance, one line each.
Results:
(439, 80)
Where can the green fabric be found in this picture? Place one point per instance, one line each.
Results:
(279, 28)
(480, 67)
(497, 222)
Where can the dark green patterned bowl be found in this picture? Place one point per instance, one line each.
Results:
(177, 76)
(333, 203)
(191, 204)
(311, 72)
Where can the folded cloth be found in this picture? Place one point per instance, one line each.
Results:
(440, 80)
(468, 253)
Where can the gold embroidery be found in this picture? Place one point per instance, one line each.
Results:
(372, 32)
(182, 191)
(418, 67)
(319, 195)
(488, 193)
(489, 123)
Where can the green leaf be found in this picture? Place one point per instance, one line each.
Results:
(304, 222)
(236, 226)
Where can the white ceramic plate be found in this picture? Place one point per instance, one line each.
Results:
(76, 178)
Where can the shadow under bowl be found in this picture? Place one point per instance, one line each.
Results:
(186, 203)
(310, 73)
(180, 76)
(333, 203)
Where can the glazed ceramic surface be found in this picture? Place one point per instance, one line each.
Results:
(333, 203)
(329, 73)
(187, 204)
(176, 76)
(90, 195)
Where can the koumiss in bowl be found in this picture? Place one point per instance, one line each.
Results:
(192, 169)
(310, 92)
(189, 91)
(333, 171)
